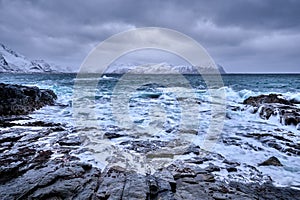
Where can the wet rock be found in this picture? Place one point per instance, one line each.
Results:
(144, 146)
(22, 151)
(231, 163)
(5, 124)
(6, 121)
(278, 140)
(267, 111)
(70, 141)
(110, 135)
(165, 181)
(56, 179)
(152, 95)
(212, 168)
(20, 100)
(274, 105)
(43, 156)
(207, 177)
(30, 170)
(264, 191)
(150, 91)
(180, 171)
(191, 191)
(135, 187)
(295, 100)
(42, 124)
(112, 184)
(197, 160)
(153, 187)
(231, 169)
(61, 179)
(220, 196)
(192, 149)
(271, 161)
(291, 118)
(263, 99)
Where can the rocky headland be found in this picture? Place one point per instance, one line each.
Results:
(21, 100)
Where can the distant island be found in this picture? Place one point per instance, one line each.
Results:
(159, 68)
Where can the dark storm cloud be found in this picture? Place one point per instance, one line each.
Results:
(242, 35)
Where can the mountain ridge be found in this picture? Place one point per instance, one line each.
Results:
(161, 68)
(14, 62)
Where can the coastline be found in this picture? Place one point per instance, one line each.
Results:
(33, 169)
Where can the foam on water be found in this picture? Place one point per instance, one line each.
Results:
(238, 122)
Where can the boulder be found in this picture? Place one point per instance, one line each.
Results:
(271, 161)
(263, 99)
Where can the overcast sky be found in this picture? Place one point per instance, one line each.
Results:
(241, 35)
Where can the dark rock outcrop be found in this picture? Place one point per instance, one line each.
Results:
(274, 105)
(20, 100)
(279, 140)
(143, 146)
(271, 161)
(263, 99)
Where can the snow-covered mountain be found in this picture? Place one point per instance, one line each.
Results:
(161, 68)
(13, 62)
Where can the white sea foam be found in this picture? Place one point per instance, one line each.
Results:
(239, 122)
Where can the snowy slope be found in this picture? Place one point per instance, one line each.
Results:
(161, 68)
(13, 62)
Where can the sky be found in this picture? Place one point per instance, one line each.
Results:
(252, 36)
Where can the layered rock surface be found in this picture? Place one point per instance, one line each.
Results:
(31, 169)
(38, 160)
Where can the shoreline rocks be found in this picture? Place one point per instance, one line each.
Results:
(263, 99)
(31, 170)
(273, 105)
(271, 161)
(42, 164)
(22, 100)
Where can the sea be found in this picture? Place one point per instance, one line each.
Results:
(141, 108)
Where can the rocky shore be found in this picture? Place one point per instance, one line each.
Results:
(29, 171)
(31, 168)
(21, 100)
(274, 105)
